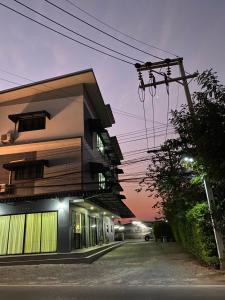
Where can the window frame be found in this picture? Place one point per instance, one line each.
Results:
(29, 172)
(101, 181)
(31, 124)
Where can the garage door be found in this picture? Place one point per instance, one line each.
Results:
(28, 233)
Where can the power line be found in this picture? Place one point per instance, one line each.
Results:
(64, 35)
(134, 140)
(138, 131)
(141, 134)
(119, 31)
(71, 30)
(118, 111)
(100, 30)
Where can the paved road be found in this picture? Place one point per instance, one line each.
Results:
(137, 270)
(111, 293)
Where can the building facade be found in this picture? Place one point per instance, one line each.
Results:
(59, 187)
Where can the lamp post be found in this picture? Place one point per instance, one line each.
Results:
(210, 199)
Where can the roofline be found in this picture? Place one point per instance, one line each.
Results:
(48, 80)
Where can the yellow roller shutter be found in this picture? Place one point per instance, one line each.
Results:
(49, 232)
(4, 232)
(16, 234)
(33, 233)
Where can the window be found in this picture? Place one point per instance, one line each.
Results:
(29, 172)
(30, 121)
(27, 169)
(35, 123)
(100, 145)
(101, 181)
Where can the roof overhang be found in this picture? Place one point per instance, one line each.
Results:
(16, 117)
(86, 78)
(14, 165)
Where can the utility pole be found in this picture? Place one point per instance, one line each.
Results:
(168, 63)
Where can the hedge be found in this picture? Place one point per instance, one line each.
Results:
(194, 232)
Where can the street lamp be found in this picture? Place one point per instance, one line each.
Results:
(210, 200)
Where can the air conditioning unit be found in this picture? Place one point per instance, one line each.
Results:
(7, 138)
(5, 188)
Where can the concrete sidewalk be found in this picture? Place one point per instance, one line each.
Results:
(86, 256)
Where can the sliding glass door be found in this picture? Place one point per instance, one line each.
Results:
(28, 233)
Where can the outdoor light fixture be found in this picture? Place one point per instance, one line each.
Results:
(188, 159)
(136, 222)
(93, 226)
(104, 213)
(113, 217)
(61, 206)
(92, 207)
(121, 228)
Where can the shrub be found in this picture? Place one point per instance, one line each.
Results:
(194, 232)
(162, 229)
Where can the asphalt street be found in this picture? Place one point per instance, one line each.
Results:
(113, 293)
(136, 270)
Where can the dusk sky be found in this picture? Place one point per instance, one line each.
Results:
(192, 29)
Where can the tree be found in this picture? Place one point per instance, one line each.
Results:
(201, 136)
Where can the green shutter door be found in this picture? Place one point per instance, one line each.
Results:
(49, 232)
(33, 233)
(4, 232)
(16, 234)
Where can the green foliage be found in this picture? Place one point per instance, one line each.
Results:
(195, 233)
(162, 229)
(177, 187)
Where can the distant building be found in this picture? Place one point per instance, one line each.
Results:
(137, 230)
(59, 187)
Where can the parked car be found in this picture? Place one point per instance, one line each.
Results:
(148, 237)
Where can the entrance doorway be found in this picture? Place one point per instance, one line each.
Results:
(78, 230)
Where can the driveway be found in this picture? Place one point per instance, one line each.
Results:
(133, 264)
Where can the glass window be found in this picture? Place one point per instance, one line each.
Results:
(101, 181)
(29, 172)
(34, 123)
(100, 145)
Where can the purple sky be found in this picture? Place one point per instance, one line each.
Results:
(193, 29)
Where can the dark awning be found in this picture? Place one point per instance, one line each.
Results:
(97, 167)
(95, 125)
(29, 115)
(112, 203)
(122, 197)
(119, 171)
(23, 163)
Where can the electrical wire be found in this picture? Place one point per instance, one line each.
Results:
(119, 31)
(152, 94)
(64, 35)
(142, 100)
(71, 30)
(178, 94)
(100, 30)
(168, 108)
(116, 111)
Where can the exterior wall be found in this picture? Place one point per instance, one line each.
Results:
(109, 228)
(68, 145)
(63, 174)
(90, 152)
(66, 116)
